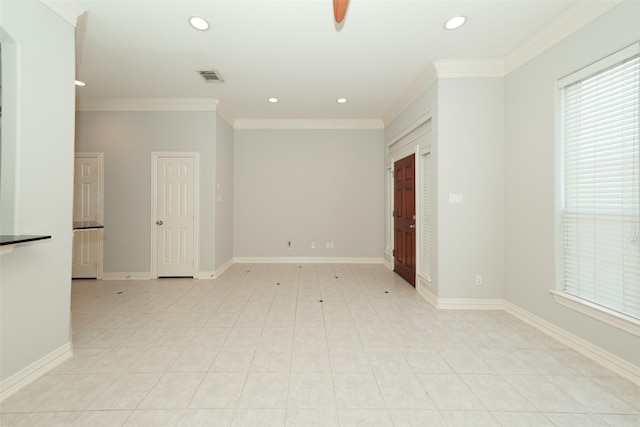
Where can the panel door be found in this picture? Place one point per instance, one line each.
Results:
(86, 207)
(175, 213)
(405, 219)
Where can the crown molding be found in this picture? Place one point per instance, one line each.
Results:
(411, 94)
(469, 68)
(69, 11)
(148, 104)
(213, 104)
(226, 115)
(567, 23)
(309, 124)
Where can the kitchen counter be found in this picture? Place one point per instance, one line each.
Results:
(9, 241)
(86, 225)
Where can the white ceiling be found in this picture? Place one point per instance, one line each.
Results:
(292, 50)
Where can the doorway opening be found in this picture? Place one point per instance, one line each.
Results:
(88, 190)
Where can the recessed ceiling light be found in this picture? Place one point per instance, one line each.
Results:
(273, 100)
(341, 100)
(456, 22)
(81, 84)
(199, 23)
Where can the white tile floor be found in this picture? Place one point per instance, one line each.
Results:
(310, 345)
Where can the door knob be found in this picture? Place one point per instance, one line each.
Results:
(159, 222)
(412, 226)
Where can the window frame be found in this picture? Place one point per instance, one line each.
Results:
(612, 317)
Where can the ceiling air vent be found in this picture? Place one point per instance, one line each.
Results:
(212, 76)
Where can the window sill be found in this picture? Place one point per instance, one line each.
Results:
(610, 317)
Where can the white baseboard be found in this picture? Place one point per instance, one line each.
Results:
(131, 275)
(214, 274)
(250, 260)
(224, 267)
(204, 275)
(34, 371)
(469, 304)
(426, 293)
(458, 303)
(387, 260)
(610, 361)
(306, 260)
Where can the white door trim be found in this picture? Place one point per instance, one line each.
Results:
(155, 155)
(100, 158)
(411, 140)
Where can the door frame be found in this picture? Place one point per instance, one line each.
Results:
(155, 155)
(100, 249)
(409, 141)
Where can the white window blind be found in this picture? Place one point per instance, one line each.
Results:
(425, 173)
(600, 107)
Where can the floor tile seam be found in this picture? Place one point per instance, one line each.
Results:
(505, 378)
(137, 408)
(195, 391)
(104, 390)
(359, 283)
(234, 322)
(76, 414)
(624, 398)
(445, 360)
(508, 383)
(244, 384)
(480, 401)
(62, 388)
(600, 388)
(416, 378)
(333, 384)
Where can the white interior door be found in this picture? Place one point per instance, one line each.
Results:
(86, 207)
(175, 216)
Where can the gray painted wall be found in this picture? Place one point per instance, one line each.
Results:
(308, 186)
(532, 178)
(36, 278)
(127, 140)
(467, 157)
(470, 162)
(224, 193)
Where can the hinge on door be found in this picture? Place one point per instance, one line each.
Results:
(393, 252)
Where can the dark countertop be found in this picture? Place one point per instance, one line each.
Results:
(87, 225)
(11, 239)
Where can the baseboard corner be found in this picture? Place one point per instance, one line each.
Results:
(29, 374)
(604, 358)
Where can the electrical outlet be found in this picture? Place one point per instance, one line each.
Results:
(479, 280)
(313, 245)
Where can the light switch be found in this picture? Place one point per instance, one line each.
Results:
(456, 199)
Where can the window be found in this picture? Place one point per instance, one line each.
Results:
(600, 114)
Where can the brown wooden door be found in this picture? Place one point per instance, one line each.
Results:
(405, 219)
